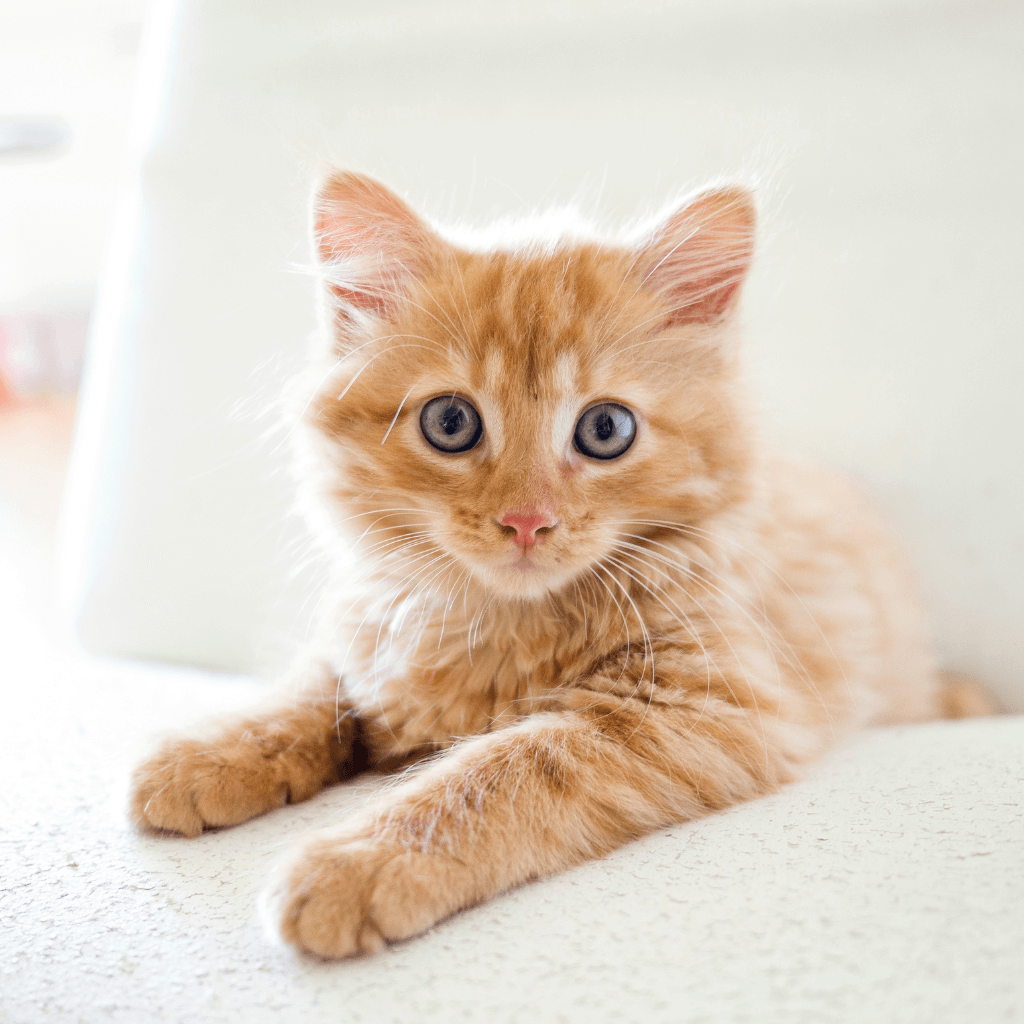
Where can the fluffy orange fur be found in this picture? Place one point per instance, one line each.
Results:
(591, 648)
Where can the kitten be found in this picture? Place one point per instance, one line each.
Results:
(584, 578)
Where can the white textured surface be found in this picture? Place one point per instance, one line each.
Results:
(887, 888)
(885, 310)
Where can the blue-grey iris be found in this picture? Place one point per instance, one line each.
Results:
(605, 431)
(451, 424)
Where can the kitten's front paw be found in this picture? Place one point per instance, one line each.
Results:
(189, 785)
(341, 896)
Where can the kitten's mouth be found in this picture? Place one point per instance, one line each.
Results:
(532, 573)
(524, 575)
(524, 564)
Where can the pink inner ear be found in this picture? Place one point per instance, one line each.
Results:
(369, 242)
(700, 256)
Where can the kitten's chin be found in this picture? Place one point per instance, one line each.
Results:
(525, 581)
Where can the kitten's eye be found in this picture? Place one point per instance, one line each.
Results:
(451, 424)
(605, 431)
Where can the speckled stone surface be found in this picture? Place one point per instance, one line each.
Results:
(887, 887)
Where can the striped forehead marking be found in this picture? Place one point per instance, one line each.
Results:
(490, 398)
(566, 390)
(564, 374)
(494, 370)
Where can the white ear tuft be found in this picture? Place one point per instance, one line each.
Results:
(698, 257)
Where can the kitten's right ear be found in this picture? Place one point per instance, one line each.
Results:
(370, 245)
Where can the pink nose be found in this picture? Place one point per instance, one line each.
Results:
(526, 525)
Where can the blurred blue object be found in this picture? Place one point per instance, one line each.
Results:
(39, 138)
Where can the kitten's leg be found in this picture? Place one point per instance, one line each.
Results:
(235, 771)
(598, 767)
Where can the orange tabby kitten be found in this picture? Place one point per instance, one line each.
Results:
(583, 578)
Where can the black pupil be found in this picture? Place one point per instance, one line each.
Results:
(604, 426)
(452, 420)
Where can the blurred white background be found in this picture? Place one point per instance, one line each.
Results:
(67, 70)
(70, 65)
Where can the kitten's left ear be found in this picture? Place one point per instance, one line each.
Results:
(698, 257)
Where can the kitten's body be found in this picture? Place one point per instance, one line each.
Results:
(695, 619)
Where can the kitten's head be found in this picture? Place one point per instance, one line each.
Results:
(511, 412)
